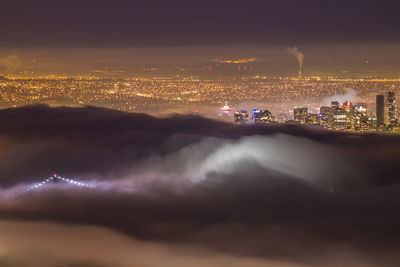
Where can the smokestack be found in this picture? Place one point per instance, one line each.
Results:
(300, 58)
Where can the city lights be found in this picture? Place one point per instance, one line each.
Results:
(288, 100)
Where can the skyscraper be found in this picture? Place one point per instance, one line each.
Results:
(260, 116)
(380, 112)
(339, 119)
(241, 117)
(325, 117)
(300, 114)
(347, 105)
(312, 119)
(390, 110)
(360, 118)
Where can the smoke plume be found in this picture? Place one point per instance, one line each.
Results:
(298, 55)
(348, 95)
(10, 63)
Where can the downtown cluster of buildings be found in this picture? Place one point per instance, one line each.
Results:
(338, 116)
(188, 94)
(258, 117)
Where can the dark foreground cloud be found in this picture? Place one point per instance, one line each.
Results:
(44, 244)
(194, 192)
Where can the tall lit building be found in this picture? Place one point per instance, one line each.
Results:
(361, 123)
(300, 115)
(312, 119)
(390, 110)
(380, 112)
(241, 117)
(372, 122)
(347, 105)
(339, 119)
(260, 116)
(325, 117)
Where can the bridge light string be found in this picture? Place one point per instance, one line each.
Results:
(52, 179)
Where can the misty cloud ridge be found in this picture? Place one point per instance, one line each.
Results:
(250, 196)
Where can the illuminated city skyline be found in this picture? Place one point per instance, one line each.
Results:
(228, 133)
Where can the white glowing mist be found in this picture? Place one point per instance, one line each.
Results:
(282, 154)
(291, 156)
(349, 95)
(285, 155)
(298, 55)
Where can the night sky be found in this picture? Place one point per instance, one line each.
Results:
(179, 22)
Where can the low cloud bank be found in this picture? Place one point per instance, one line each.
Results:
(250, 196)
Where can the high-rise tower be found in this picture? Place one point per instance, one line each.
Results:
(390, 110)
(380, 112)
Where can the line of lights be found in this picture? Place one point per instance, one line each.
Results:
(52, 179)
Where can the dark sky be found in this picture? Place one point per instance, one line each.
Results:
(179, 22)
